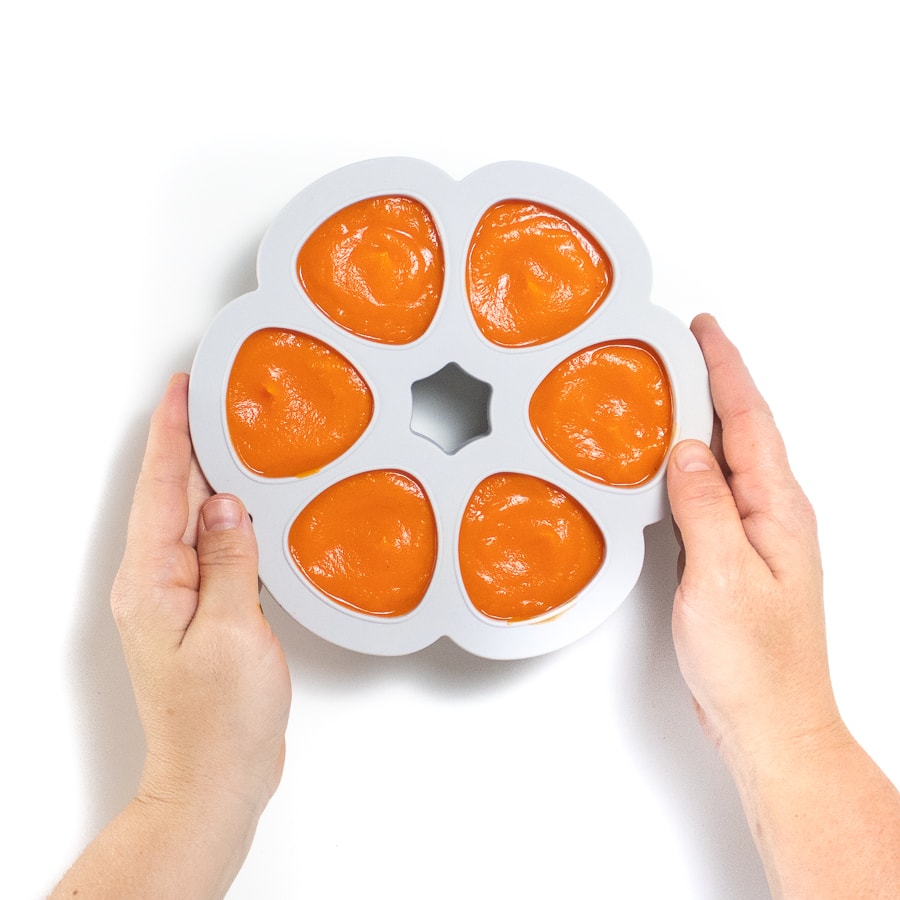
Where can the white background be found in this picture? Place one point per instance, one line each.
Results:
(146, 149)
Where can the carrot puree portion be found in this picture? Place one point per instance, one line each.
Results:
(368, 542)
(606, 413)
(526, 547)
(293, 403)
(533, 274)
(376, 269)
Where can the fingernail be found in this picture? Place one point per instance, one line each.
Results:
(222, 513)
(692, 456)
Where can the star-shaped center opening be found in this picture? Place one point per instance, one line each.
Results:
(451, 408)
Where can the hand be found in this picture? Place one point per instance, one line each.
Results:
(749, 631)
(210, 680)
(209, 676)
(748, 622)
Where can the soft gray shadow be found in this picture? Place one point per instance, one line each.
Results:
(442, 667)
(685, 767)
(111, 735)
(239, 276)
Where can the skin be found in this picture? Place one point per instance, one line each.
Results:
(210, 680)
(749, 630)
(213, 689)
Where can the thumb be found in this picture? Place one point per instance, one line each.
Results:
(228, 557)
(703, 507)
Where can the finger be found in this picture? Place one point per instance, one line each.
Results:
(154, 596)
(752, 446)
(198, 493)
(703, 507)
(715, 444)
(228, 558)
(772, 507)
(159, 513)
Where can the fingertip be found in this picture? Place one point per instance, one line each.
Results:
(695, 477)
(702, 504)
(706, 328)
(692, 456)
(171, 411)
(222, 512)
(228, 556)
(703, 318)
(178, 383)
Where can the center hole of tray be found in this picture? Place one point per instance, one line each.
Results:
(451, 408)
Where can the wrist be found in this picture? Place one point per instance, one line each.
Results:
(211, 809)
(203, 836)
(822, 814)
(786, 747)
(221, 806)
(218, 783)
(178, 847)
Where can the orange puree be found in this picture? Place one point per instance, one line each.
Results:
(368, 542)
(376, 269)
(526, 547)
(293, 403)
(533, 274)
(606, 413)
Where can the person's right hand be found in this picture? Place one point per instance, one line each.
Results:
(749, 629)
(748, 623)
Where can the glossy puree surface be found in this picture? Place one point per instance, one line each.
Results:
(376, 269)
(533, 274)
(526, 547)
(293, 403)
(606, 413)
(368, 542)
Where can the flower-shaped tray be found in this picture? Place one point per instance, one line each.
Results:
(406, 434)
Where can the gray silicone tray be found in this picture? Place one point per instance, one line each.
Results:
(390, 440)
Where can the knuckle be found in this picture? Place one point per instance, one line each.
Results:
(121, 599)
(227, 550)
(702, 494)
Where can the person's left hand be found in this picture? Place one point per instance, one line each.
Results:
(210, 678)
